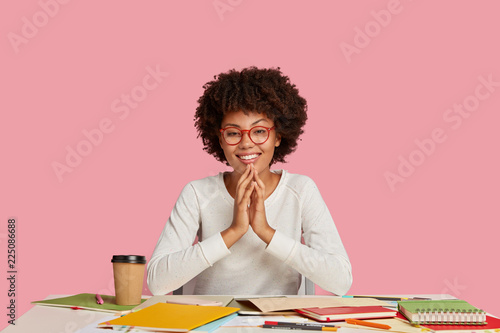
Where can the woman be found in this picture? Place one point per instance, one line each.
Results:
(250, 221)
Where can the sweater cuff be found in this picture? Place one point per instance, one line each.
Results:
(281, 246)
(214, 248)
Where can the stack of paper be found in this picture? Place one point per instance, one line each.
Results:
(224, 300)
(272, 304)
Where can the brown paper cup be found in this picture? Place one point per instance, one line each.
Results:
(128, 273)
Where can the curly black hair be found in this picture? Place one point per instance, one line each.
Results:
(252, 89)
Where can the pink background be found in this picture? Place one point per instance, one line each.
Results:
(405, 65)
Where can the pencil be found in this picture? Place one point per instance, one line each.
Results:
(367, 324)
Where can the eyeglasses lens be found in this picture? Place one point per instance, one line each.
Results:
(257, 135)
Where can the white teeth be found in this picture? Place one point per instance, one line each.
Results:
(249, 157)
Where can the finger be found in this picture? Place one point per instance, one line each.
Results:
(256, 193)
(244, 180)
(258, 180)
(258, 183)
(256, 176)
(248, 192)
(260, 187)
(245, 174)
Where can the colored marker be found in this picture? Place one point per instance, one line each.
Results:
(380, 298)
(288, 323)
(367, 324)
(298, 326)
(99, 299)
(387, 298)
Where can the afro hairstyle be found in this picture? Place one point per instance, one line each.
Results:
(265, 91)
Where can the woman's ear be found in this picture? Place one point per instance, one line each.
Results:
(277, 141)
(219, 134)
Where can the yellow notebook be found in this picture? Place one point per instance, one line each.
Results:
(170, 317)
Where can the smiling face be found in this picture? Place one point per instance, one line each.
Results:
(247, 152)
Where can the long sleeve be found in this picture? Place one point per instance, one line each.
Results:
(205, 208)
(322, 258)
(175, 259)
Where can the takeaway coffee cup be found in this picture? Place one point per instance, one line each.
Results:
(128, 271)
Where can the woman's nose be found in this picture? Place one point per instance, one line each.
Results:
(245, 140)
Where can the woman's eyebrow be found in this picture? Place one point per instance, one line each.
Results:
(262, 119)
(236, 125)
(232, 125)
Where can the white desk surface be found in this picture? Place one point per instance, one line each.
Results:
(47, 319)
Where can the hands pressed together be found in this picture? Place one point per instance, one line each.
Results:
(249, 209)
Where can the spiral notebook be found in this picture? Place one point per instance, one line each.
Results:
(442, 312)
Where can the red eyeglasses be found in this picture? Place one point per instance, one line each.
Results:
(257, 134)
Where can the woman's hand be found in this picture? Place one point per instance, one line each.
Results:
(242, 199)
(249, 209)
(257, 210)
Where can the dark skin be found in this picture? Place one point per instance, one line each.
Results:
(267, 91)
(251, 181)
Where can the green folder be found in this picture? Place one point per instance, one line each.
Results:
(88, 302)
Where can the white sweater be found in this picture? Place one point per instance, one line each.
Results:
(205, 208)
